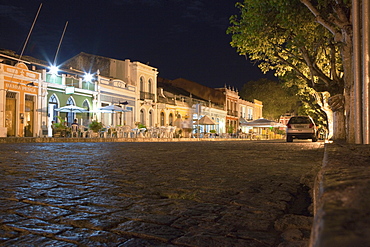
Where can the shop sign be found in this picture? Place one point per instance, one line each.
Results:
(70, 90)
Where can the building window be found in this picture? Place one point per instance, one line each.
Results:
(150, 84)
(70, 115)
(162, 118)
(151, 118)
(142, 117)
(53, 104)
(170, 119)
(85, 116)
(142, 84)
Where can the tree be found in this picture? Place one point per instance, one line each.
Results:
(276, 99)
(307, 43)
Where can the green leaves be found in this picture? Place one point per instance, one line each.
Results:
(277, 99)
(284, 36)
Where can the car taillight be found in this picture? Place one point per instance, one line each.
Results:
(289, 126)
(311, 125)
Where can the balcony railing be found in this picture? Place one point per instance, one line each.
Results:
(232, 113)
(146, 95)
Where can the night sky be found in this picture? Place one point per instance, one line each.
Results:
(182, 38)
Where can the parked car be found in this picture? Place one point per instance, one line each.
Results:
(301, 127)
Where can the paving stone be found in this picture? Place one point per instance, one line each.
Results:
(39, 227)
(290, 221)
(135, 242)
(88, 237)
(32, 240)
(42, 212)
(215, 241)
(148, 230)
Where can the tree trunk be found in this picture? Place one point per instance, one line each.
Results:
(349, 105)
(339, 125)
(336, 103)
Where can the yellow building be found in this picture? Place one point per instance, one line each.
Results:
(18, 99)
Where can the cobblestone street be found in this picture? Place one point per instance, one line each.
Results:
(230, 193)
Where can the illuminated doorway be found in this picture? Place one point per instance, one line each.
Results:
(29, 113)
(10, 113)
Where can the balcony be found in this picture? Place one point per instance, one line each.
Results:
(146, 95)
(232, 113)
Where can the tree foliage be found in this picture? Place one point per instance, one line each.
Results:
(305, 42)
(277, 100)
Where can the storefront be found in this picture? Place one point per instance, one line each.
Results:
(69, 90)
(19, 98)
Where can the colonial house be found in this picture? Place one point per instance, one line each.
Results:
(122, 82)
(31, 93)
(20, 88)
(222, 104)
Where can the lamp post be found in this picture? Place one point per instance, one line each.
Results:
(124, 113)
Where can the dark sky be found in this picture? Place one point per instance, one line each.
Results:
(182, 38)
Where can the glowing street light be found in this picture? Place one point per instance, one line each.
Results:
(88, 77)
(53, 70)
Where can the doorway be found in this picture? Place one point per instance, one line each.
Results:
(29, 115)
(10, 113)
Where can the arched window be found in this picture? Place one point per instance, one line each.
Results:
(151, 118)
(162, 118)
(150, 90)
(70, 101)
(170, 119)
(142, 117)
(53, 104)
(70, 115)
(142, 84)
(86, 116)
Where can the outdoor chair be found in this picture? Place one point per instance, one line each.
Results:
(163, 133)
(156, 132)
(103, 133)
(74, 130)
(172, 131)
(141, 132)
(127, 130)
(119, 131)
(150, 132)
(83, 132)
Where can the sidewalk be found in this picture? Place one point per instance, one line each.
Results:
(342, 197)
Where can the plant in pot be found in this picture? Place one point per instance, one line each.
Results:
(213, 132)
(59, 128)
(95, 126)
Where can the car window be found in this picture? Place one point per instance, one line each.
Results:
(300, 120)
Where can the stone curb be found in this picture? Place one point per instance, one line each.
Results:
(342, 197)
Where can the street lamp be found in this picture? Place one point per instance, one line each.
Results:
(53, 70)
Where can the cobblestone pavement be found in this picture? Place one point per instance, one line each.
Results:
(152, 194)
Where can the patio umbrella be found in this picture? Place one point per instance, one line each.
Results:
(206, 121)
(178, 122)
(262, 123)
(242, 120)
(112, 109)
(71, 109)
